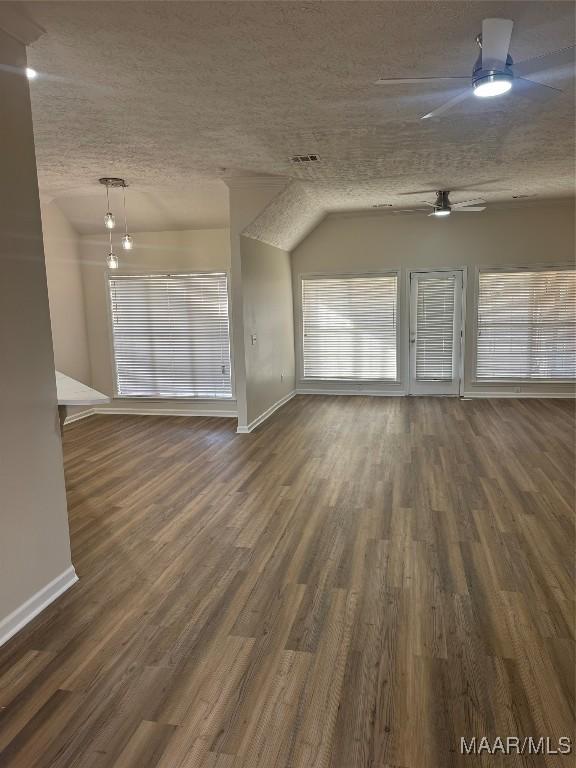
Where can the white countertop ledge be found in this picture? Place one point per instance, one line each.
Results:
(72, 392)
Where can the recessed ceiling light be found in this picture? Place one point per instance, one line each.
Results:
(31, 74)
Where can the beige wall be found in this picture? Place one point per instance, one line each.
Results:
(248, 198)
(202, 250)
(66, 294)
(268, 315)
(34, 541)
(516, 235)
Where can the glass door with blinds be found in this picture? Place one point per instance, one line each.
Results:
(435, 332)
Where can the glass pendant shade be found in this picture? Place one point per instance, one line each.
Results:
(127, 242)
(109, 221)
(112, 260)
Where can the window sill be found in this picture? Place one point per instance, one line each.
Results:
(179, 398)
(386, 382)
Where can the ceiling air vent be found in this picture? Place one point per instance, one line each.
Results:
(382, 205)
(305, 158)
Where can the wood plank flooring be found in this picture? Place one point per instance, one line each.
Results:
(359, 583)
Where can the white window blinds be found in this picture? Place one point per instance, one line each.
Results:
(349, 327)
(435, 305)
(171, 335)
(527, 324)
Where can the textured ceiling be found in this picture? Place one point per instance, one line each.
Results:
(175, 96)
(199, 204)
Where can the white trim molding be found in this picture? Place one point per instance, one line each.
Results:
(360, 392)
(103, 410)
(465, 396)
(77, 416)
(497, 395)
(18, 619)
(241, 430)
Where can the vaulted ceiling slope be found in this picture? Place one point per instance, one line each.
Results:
(176, 95)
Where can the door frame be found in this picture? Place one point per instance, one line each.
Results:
(407, 297)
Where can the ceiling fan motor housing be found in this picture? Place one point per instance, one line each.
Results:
(442, 201)
(492, 74)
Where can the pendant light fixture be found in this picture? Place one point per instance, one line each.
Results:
(110, 221)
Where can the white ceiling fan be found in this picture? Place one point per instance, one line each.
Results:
(494, 72)
(443, 207)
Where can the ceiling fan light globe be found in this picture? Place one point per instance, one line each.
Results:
(492, 85)
(442, 212)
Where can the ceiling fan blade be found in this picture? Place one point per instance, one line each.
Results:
(416, 80)
(524, 83)
(496, 35)
(409, 210)
(494, 189)
(447, 105)
(447, 185)
(419, 192)
(552, 60)
(425, 202)
(472, 208)
(467, 203)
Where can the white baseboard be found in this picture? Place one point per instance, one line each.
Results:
(18, 619)
(81, 415)
(497, 395)
(119, 411)
(465, 396)
(266, 414)
(363, 393)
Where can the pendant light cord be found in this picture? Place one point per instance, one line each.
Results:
(125, 220)
(109, 231)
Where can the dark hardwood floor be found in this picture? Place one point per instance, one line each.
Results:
(360, 582)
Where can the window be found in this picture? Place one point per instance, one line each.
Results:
(349, 327)
(171, 335)
(527, 324)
